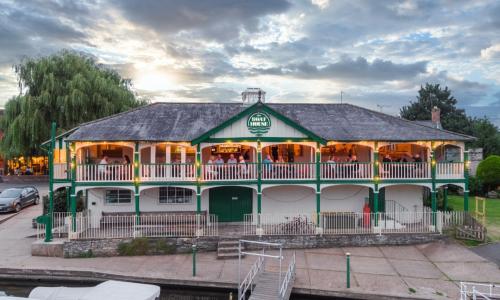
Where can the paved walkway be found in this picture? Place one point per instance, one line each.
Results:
(430, 271)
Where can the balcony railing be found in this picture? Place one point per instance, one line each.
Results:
(405, 170)
(104, 172)
(288, 171)
(170, 172)
(229, 172)
(269, 171)
(60, 171)
(450, 170)
(347, 171)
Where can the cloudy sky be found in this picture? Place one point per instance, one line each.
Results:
(377, 52)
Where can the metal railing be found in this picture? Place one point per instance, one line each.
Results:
(405, 170)
(104, 172)
(60, 225)
(247, 282)
(170, 172)
(473, 290)
(229, 172)
(450, 170)
(288, 279)
(288, 171)
(335, 223)
(345, 170)
(148, 225)
(60, 171)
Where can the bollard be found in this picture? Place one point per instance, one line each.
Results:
(348, 272)
(194, 260)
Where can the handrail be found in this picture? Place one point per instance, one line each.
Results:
(288, 278)
(471, 289)
(247, 281)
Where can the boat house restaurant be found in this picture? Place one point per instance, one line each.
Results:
(257, 163)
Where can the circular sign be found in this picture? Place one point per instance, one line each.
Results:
(259, 123)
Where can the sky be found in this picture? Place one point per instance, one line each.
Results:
(377, 53)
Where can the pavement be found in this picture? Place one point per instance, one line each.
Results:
(426, 271)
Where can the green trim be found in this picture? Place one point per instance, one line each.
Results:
(257, 107)
(198, 177)
(62, 135)
(445, 198)
(256, 138)
(259, 179)
(466, 181)
(318, 184)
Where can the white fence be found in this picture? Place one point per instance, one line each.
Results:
(60, 171)
(229, 172)
(148, 225)
(452, 170)
(104, 172)
(473, 290)
(280, 171)
(171, 172)
(336, 170)
(332, 223)
(60, 225)
(405, 170)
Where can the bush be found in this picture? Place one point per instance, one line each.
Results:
(60, 202)
(488, 172)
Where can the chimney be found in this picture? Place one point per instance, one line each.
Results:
(436, 117)
(253, 95)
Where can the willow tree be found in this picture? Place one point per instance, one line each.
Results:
(68, 88)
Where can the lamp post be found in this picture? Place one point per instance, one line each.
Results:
(348, 270)
(194, 259)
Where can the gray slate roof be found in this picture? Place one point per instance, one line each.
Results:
(166, 121)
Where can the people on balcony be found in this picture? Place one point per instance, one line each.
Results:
(231, 159)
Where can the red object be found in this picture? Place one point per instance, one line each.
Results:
(366, 215)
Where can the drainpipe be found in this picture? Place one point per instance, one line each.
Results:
(73, 188)
(318, 184)
(136, 182)
(466, 181)
(433, 189)
(376, 180)
(259, 185)
(198, 179)
(48, 225)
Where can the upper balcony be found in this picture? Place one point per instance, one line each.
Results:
(281, 162)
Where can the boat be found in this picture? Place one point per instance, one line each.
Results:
(108, 290)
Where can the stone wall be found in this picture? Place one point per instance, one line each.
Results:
(109, 247)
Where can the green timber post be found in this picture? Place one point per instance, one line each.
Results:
(48, 225)
(466, 180)
(72, 198)
(198, 179)
(136, 182)
(318, 184)
(445, 198)
(68, 161)
(433, 188)
(376, 180)
(259, 179)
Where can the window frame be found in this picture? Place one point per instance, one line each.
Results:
(118, 197)
(175, 191)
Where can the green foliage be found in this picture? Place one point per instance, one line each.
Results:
(452, 118)
(67, 88)
(87, 254)
(488, 172)
(145, 246)
(60, 202)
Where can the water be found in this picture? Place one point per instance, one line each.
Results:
(22, 288)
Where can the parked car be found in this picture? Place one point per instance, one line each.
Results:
(14, 199)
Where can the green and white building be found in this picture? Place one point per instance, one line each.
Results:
(158, 163)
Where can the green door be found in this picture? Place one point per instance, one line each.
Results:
(230, 203)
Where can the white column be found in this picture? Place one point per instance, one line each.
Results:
(153, 154)
(152, 166)
(168, 160)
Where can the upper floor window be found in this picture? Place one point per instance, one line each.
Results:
(175, 195)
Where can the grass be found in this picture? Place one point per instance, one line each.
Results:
(492, 213)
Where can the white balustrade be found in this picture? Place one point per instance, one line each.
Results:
(104, 172)
(229, 172)
(450, 170)
(343, 170)
(288, 171)
(60, 171)
(168, 172)
(405, 170)
(146, 225)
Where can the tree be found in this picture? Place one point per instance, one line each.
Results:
(431, 95)
(453, 118)
(68, 88)
(488, 172)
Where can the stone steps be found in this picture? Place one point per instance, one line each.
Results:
(227, 249)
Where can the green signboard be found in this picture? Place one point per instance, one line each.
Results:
(259, 123)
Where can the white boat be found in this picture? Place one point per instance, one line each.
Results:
(108, 290)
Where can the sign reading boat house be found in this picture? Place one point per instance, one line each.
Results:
(259, 123)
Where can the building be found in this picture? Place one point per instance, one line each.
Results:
(305, 158)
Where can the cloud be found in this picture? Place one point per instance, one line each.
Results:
(218, 19)
(492, 52)
(354, 70)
